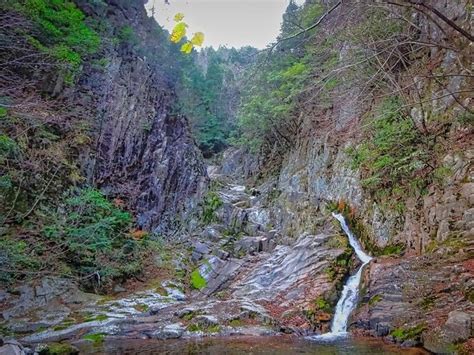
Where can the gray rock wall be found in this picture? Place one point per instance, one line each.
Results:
(143, 152)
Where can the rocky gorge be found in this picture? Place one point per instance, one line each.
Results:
(246, 242)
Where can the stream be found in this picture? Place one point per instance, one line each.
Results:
(348, 300)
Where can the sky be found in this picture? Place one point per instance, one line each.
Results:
(231, 23)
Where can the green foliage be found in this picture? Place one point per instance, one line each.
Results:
(211, 204)
(63, 31)
(197, 281)
(322, 305)
(126, 34)
(203, 98)
(197, 327)
(392, 156)
(96, 338)
(408, 333)
(57, 349)
(375, 299)
(7, 146)
(95, 238)
(15, 255)
(270, 100)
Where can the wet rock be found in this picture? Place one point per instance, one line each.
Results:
(56, 348)
(171, 331)
(293, 273)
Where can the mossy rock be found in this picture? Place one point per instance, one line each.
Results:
(197, 281)
(96, 338)
(58, 349)
(408, 333)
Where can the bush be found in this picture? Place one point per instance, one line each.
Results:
(63, 32)
(211, 204)
(95, 236)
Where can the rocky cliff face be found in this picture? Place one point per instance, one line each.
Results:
(420, 289)
(143, 152)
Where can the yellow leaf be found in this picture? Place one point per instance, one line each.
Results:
(179, 31)
(178, 17)
(187, 47)
(198, 39)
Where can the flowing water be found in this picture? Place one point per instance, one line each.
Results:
(348, 300)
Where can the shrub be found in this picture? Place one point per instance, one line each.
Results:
(95, 236)
(63, 31)
(210, 205)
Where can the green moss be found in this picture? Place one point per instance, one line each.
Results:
(394, 249)
(58, 349)
(408, 333)
(214, 329)
(375, 299)
(195, 327)
(98, 317)
(96, 338)
(236, 323)
(322, 305)
(197, 281)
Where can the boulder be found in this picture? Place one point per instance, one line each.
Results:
(458, 327)
(170, 331)
(10, 349)
(206, 321)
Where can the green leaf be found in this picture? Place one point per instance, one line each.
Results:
(178, 17)
(179, 31)
(198, 39)
(187, 47)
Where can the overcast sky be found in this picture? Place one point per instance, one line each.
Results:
(233, 23)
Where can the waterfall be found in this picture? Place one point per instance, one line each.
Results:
(348, 300)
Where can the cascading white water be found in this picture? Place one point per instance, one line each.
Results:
(348, 300)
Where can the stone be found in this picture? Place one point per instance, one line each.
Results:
(206, 320)
(212, 233)
(222, 254)
(382, 329)
(458, 327)
(201, 248)
(410, 343)
(4, 295)
(170, 331)
(118, 288)
(10, 349)
(443, 231)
